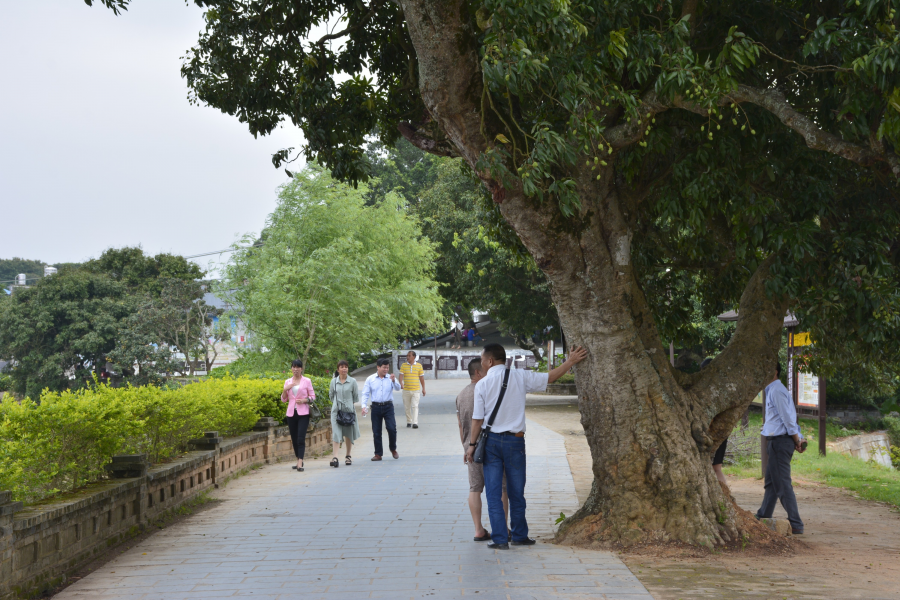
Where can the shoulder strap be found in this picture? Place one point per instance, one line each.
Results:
(499, 400)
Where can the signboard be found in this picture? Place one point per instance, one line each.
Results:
(802, 339)
(808, 389)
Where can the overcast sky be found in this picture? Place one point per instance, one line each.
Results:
(99, 147)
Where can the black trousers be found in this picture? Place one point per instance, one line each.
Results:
(384, 411)
(778, 482)
(297, 425)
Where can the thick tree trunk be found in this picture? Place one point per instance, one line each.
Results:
(650, 432)
(651, 429)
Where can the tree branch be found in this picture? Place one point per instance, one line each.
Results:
(373, 8)
(817, 139)
(726, 387)
(423, 141)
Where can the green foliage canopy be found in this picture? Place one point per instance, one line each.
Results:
(477, 269)
(142, 273)
(61, 327)
(732, 131)
(334, 276)
(65, 326)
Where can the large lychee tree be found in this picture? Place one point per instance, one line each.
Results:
(743, 151)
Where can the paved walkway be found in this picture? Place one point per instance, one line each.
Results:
(397, 529)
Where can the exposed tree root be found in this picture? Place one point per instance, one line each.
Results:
(755, 538)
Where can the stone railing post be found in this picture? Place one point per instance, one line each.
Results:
(267, 424)
(7, 511)
(128, 466)
(209, 441)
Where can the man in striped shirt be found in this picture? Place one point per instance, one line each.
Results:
(412, 381)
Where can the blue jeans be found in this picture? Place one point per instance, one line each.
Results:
(384, 411)
(505, 453)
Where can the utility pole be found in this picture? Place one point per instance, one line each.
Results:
(823, 415)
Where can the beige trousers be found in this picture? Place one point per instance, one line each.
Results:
(411, 402)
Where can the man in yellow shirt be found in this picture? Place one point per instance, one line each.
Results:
(412, 381)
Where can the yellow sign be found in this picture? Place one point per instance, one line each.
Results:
(802, 339)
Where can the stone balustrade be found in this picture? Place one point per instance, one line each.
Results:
(41, 545)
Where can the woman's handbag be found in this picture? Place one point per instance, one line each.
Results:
(482, 440)
(345, 418)
(314, 412)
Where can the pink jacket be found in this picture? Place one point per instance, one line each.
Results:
(305, 390)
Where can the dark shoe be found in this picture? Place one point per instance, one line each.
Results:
(525, 542)
(408, 425)
(494, 546)
(486, 537)
(347, 461)
(376, 457)
(416, 426)
(294, 467)
(796, 531)
(334, 462)
(394, 454)
(300, 469)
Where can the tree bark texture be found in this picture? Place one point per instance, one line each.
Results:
(651, 429)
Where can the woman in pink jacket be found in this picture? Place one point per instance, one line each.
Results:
(298, 391)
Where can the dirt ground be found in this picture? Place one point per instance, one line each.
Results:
(851, 547)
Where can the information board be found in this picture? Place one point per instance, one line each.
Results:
(808, 388)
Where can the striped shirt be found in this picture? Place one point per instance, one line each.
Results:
(411, 374)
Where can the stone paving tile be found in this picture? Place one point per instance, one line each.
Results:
(395, 529)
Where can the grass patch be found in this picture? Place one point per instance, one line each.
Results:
(866, 479)
(869, 480)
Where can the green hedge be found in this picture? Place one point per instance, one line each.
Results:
(67, 439)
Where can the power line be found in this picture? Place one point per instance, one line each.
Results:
(201, 255)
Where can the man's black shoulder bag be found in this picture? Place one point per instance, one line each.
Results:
(482, 441)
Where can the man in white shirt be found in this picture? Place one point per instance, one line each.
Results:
(505, 449)
(378, 392)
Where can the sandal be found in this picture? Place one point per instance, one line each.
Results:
(334, 462)
(348, 462)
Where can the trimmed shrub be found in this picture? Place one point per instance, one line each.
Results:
(67, 439)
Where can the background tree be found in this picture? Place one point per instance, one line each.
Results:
(66, 326)
(11, 267)
(142, 273)
(138, 357)
(403, 169)
(214, 335)
(480, 263)
(334, 276)
(179, 318)
(745, 142)
(60, 330)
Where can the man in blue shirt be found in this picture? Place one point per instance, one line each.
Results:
(783, 438)
(379, 392)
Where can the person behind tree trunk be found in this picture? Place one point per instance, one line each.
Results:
(298, 391)
(505, 449)
(783, 438)
(379, 392)
(719, 456)
(344, 393)
(412, 381)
